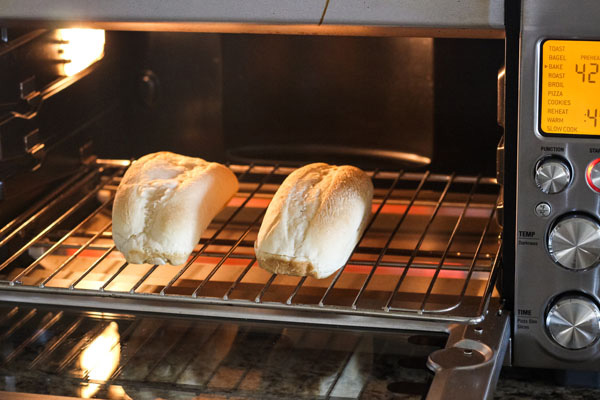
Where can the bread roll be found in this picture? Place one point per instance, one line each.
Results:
(164, 203)
(314, 220)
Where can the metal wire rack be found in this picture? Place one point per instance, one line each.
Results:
(430, 252)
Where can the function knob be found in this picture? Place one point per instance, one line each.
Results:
(574, 322)
(552, 175)
(592, 175)
(574, 242)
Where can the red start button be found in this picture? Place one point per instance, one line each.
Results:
(592, 175)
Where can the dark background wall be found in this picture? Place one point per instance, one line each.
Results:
(466, 132)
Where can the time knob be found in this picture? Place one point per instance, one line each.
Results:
(574, 242)
(552, 175)
(574, 322)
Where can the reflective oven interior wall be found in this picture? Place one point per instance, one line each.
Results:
(233, 96)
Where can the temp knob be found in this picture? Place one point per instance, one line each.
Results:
(574, 322)
(574, 242)
(592, 175)
(552, 175)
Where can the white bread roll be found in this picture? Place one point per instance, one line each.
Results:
(164, 203)
(314, 220)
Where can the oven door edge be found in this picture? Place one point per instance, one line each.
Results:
(469, 366)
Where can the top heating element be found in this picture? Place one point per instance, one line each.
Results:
(429, 253)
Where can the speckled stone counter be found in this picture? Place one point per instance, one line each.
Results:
(520, 383)
(514, 384)
(118, 356)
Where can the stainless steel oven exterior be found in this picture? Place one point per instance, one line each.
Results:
(541, 285)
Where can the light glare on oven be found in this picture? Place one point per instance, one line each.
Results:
(80, 48)
(100, 359)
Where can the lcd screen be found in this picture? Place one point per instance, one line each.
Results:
(570, 88)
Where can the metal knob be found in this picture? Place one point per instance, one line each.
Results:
(552, 175)
(574, 322)
(574, 242)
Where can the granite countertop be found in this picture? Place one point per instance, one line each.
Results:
(521, 383)
(114, 356)
(514, 384)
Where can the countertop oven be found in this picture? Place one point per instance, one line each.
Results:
(476, 121)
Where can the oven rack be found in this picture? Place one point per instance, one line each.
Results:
(430, 253)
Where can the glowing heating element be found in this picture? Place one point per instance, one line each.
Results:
(570, 87)
(80, 48)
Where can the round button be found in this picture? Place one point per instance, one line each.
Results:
(552, 175)
(574, 242)
(543, 209)
(574, 322)
(592, 175)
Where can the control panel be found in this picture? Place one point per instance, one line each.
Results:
(557, 253)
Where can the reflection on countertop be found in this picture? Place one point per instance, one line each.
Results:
(117, 356)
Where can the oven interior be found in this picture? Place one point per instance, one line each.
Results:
(419, 114)
(377, 102)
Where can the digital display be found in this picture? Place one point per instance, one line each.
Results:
(570, 87)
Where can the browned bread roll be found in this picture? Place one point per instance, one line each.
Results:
(314, 220)
(164, 203)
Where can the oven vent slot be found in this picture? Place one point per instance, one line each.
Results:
(430, 253)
